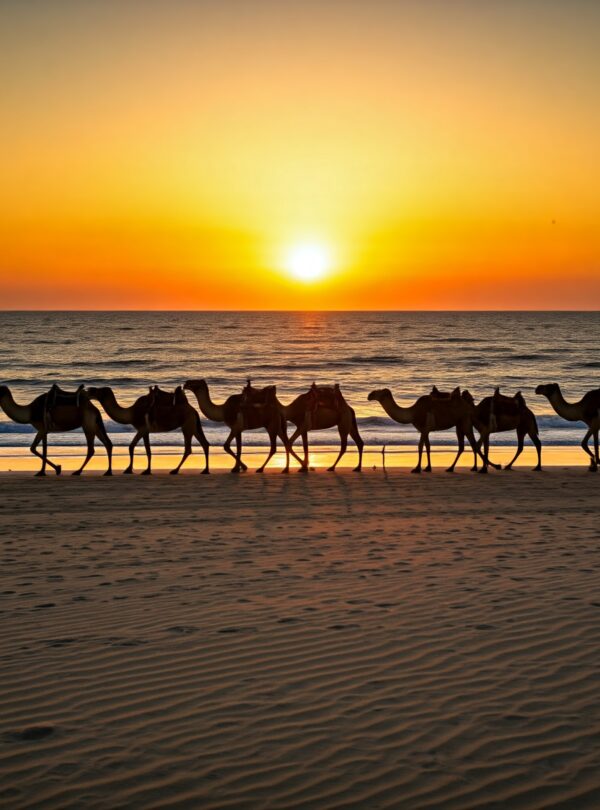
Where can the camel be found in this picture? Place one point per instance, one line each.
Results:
(586, 410)
(431, 413)
(57, 411)
(156, 412)
(253, 408)
(500, 413)
(320, 408)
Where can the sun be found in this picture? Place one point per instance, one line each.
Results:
(308, 261)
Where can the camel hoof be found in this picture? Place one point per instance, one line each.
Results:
(427, 469)
(416, 471)
(173, 472)
(330, 469)
(235, 471)
(593, 468)
(128, 471)
(40, 474)
(147, 472)
(58, 469)
(537, 469)
(108, 472)
(259, 470)
(483, 471)
(450, 469)
(303, 470)
(357, 469)
(77, 472)
(508, 468)
(497, 466)
(473, 469)
(205, 471)
(285, 470)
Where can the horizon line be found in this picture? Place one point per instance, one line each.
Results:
(303, 311)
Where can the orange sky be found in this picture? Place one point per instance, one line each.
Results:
(167, 155)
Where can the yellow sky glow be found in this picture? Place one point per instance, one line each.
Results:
(172, 155)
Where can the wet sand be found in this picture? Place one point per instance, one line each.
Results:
(320, 641)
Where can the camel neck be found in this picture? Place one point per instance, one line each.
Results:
(18, 413)
(567, 410)
(402, 415)
(212, 411)
(124, 416)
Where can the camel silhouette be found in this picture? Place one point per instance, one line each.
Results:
(499, 413)
(57, 411)
(586, 410)
(156, 412)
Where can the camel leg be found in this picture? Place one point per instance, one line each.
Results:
(238, 444)
(428, 451)
(104, 438)
(187, 451)
(90, 452)
(461, 447)
(478, 453)
(272, 451)
(538, 446)
(129, 469)
(484, 455)
(417, 469)
(45, 460)
(486, 450)
(343, 447)
(584, 444)
(520, 442)
(146, 439)
(238, 466)
(596, 446)
(303, 462)
(288, 444)
(304, 467)
(356, 437)
(205, 446)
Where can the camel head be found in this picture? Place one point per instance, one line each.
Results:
(547, 390)
(98, 394)
(468, 397)
(379, 395)
(197, 386)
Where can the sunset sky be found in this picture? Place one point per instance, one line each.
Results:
(192, 155)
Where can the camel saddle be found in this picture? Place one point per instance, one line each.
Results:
(157, 398)
(57, 397)
(325, 396)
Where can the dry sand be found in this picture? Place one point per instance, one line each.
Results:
(301, 641)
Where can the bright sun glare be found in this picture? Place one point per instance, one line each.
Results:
(308, 261)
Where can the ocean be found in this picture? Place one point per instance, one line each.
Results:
(407, 352)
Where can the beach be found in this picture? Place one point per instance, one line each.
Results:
(380, 640)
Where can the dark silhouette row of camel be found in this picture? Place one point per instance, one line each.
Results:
(319, 408)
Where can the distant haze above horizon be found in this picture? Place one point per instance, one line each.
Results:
(237, 154)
